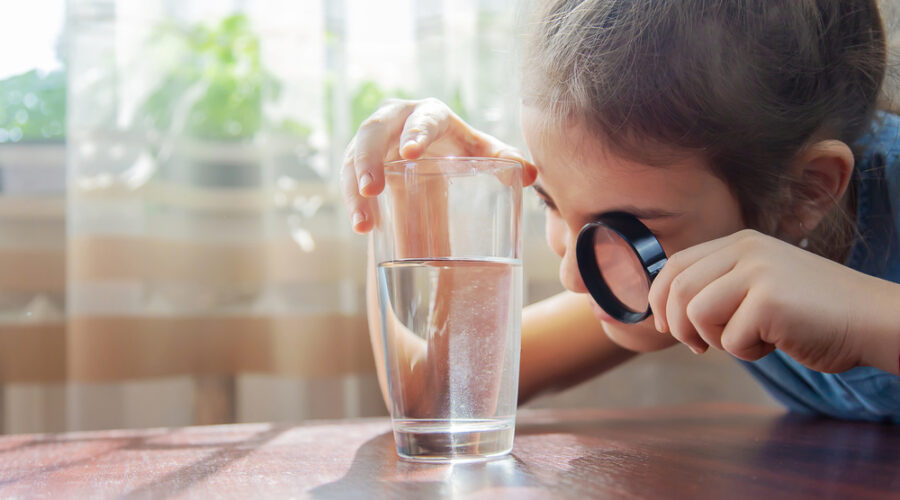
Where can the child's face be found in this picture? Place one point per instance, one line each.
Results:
(683, 204)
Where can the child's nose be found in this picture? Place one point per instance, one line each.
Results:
(569, 275)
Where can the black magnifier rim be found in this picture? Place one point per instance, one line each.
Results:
(642, 243)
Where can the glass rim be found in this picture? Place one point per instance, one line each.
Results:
(398, 167)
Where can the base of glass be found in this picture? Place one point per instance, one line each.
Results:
(453, 440)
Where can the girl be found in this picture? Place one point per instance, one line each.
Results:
(744, 135)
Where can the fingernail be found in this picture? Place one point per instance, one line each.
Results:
(657, 324)
(357, 218)
(696, 349)
(365, 180)
(410, 143)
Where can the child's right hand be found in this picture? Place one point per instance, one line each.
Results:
(408, 130)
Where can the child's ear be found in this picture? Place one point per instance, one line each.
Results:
(821, 175)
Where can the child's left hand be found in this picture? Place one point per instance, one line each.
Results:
(749, 294)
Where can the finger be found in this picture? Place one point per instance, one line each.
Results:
(529, 173)
(376, 136)
(712, 308)
(481, 144)
(742, 336)
(678, 262)
(427, 122)
(432, 119)
(685, 287)
(357, 206)
(680, 327)
(525, 175)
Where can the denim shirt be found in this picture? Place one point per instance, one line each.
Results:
(862, 393)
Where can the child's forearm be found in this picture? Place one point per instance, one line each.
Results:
(881, 334)
(374, 317)
(563, 344)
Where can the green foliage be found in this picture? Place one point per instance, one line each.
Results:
(214, 83)
(366, 99)
(33, 107)
(458, 105)
(213, 86)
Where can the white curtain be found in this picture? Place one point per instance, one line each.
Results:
(199, 266)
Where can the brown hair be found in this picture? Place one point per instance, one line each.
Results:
(746, 83)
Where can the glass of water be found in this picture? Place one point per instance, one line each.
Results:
(448, 243)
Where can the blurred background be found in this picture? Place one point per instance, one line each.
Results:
(173, 248)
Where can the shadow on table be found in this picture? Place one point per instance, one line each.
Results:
(377, 472)
(64, 462)
(181, 480)
(221, 455)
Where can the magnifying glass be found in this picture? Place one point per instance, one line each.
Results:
(618, 258)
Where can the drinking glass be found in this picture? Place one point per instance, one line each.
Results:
(448, 242)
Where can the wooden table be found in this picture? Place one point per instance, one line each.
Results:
(701, 451)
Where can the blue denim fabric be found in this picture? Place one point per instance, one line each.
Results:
(862, 393)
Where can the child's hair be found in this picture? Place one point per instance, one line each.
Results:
(746, 83)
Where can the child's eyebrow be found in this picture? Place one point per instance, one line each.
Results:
(640, 213)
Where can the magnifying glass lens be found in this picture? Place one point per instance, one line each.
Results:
(621, 269)
(618, 258)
